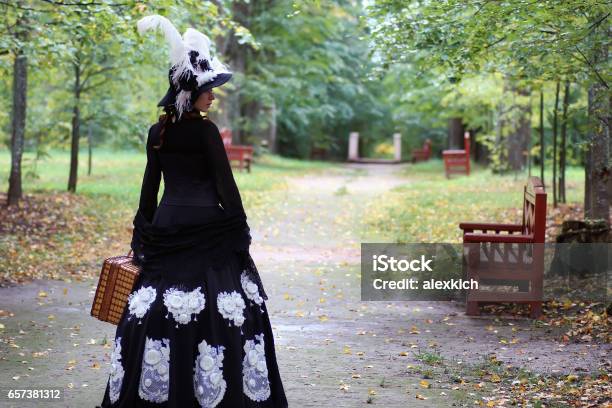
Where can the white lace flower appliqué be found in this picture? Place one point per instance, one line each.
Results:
(155, 374)
(140, 301)
(255, 370)
(251, 290)
(231, 306)
(208, 381)
(116, 372)
(183, 304)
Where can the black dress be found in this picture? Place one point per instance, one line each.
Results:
(195, 332)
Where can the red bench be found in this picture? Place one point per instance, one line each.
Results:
(422, 154)
(508, 255)
(319, 153)
(457, 161)
(239, 156)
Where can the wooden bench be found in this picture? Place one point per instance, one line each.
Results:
(423, 154)
(457, 161)
(318, 153)
(508, 255)
(239, 156)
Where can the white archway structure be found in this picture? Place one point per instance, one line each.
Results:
(353, 150)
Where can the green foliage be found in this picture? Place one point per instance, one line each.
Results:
(310, 61)
(313, 64)
(484, 61)
(120, 72)
(545, 39)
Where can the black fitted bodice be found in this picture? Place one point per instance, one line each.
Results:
(194, 166)
(186, 181)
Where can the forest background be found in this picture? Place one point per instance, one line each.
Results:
(529, 79)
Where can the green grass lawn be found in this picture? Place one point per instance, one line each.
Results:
(429, 208)
(61, 235)
(119, 173)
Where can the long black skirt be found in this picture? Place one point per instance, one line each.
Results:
(202, 341)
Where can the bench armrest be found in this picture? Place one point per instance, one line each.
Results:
(516, 239)
(489, 226)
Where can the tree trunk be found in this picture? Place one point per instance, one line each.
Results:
(89, 148)
(588, 194)
(529, 160)
(272, 129)
(542, 155)
(563, 147)
(519, 136)
(597, 205)
(500, 155)
(597, 199)
(76, 123)
(230, 105)
(555, 127)
(20, 86)
(455, 133)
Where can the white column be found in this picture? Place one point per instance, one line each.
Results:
(397, 146)
(353, 151)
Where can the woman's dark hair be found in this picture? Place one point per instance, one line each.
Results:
(170, 114)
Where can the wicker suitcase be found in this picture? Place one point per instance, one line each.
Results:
(117, 279)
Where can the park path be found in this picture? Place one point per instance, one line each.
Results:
(333, 349)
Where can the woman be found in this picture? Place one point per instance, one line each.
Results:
(195, 332)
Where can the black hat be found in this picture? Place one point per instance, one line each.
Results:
(194, 69)
(170, 97)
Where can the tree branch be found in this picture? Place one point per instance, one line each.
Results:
(98, 72)
(92, 86)
(17, 6)
(495, 42)
(603, 82)
(598, 22)
(92, 3)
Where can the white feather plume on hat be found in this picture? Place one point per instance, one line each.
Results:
(177, 47)
(190, 56)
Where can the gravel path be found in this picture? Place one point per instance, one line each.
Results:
(333, 349)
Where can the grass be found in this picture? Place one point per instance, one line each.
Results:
(429, 358)
(119, 173)
(430, 207)
(117, 176)
(55, 234)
